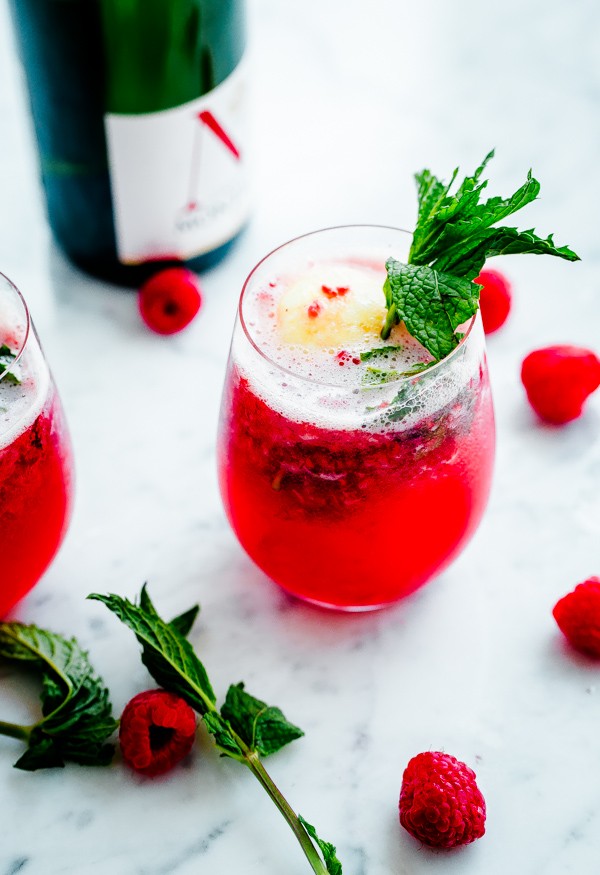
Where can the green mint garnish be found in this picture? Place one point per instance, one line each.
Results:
(334, 867)
(244, 728)
(381, 351)
(434, 293)
(418, 368)
(262, 727)
(76, 712)
(377, 377)
(8, 356)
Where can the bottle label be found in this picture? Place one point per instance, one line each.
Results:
(179, 176)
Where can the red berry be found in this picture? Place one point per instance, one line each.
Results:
(494, 300)
(338, 292)
(157, 730)
(558, 379)
(169, 300)
(578, 616)
(440, 802)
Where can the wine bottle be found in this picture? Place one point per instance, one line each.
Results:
(139, 108)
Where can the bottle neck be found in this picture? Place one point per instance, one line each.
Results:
(161, 55)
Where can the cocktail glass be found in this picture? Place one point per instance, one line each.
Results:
(35, 454)
(351, 497)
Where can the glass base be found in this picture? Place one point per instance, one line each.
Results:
(340, 609)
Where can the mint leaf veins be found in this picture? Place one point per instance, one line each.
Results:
(262, 727)
(455, 233)
(244, 729)
(76, 716)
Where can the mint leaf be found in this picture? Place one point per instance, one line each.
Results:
(419, 367)
(7, 376)
(431, 304)
(377, 377)
(477, 219)
(405, 403)
(334, 867)
(166, 653)
(468, 259)
(184, 622)
(264, 728)
(381, 351)
(431, 194)
(224, 738)
(77, 715)
(445, 208)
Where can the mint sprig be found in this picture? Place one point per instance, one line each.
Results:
(76, 717)
(434, 292)
(244, 728)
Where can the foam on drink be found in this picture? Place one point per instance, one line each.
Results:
(22, 403)
(322, 323)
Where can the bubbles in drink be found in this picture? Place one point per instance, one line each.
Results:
(24, 386)
(322, 325)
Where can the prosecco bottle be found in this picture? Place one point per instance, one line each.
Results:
(139, 108)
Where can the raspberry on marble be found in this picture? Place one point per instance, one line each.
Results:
(157, 730)
(558, 380)
(440, 802)
(169, 300)
(578, 617)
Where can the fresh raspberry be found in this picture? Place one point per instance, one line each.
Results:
(578, 616)
(169, 300)
(558, 379)
(440, 802)
(494, 300)
(157, 730)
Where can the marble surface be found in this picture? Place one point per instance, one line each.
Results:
(348, 103)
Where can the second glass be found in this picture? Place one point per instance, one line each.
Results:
(36, 468)
(350, 493)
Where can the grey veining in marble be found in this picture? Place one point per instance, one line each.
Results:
(350, 99)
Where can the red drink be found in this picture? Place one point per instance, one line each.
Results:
(349, 494)
(35, 460)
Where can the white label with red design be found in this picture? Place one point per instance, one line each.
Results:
(179, 176)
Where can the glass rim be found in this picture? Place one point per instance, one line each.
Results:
(19, 294)
(400, 379)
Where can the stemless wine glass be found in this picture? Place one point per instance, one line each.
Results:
(351, 496)
(35, 454)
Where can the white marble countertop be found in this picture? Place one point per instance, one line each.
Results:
(350, 99)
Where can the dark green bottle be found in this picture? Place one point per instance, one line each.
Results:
(139, 110)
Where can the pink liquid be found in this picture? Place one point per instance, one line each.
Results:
(354, 518)
(35, 499)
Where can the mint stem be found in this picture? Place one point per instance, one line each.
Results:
(252, 761)
(390, 321)
(15, 730)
